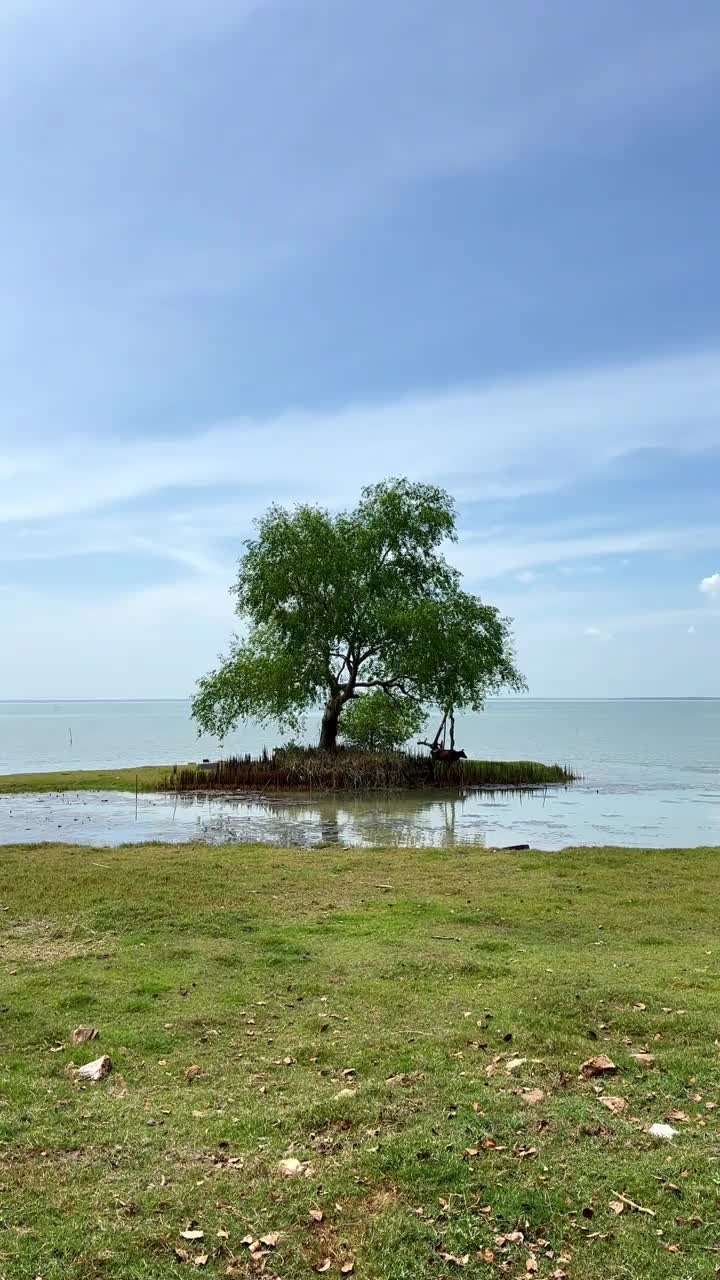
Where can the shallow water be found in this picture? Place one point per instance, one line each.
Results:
(651, 777)
(548, 819)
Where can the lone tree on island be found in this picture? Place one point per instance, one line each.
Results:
(337, 605)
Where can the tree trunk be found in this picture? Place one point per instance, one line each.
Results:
(329, 726)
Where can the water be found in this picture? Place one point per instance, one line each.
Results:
(651, 777)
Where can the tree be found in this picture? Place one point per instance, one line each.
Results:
(380, 721)
(340, 604)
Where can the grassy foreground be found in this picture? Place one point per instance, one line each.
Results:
(407, 1025)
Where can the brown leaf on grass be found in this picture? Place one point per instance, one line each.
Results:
(531, 1266)
(632, 1204)
(455, 1259)
(192, 1073)
(532, 1096)
(291, 1168)
(614, 1104)
(222, 1234)
(325, 1265)
(514, 1065)
(597, 1066)
(192, 1234)
(487, 1256)
(640, 1006)
(201, 1260)
(270, 1239)
(182, 1255)
(522, 1152)
(680, 1116)
(512, 1237)
(644, 1059)
(617, 1206)
(316, 1215)
(84, 1033)
(347, 1268)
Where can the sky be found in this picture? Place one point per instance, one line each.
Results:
(260, 251)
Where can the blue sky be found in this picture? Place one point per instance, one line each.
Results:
(258, 250)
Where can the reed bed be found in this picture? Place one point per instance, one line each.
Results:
(313, 770)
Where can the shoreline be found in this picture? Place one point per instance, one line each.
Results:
(156, 778)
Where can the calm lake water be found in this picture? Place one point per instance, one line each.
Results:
(651, 777)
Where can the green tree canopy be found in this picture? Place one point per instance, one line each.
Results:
(336, 605)
(380, 721)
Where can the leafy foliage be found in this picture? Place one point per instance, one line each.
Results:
(377, 721)
(363, 600)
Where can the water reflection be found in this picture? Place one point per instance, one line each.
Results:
(549, 818)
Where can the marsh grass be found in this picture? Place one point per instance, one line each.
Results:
(411, 978)
(312, 770)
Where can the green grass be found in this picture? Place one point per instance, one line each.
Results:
(278, 973)
(150, 777)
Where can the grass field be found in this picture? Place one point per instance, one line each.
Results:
(150, 777)
(407, 1025)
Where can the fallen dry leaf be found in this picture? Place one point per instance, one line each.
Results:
(617, 1206)
(597, 1066)
(201, 1260)
(680, 1116)
(316, 1215)
(347, 1268)
(531, 1266)
(270, 1239)
(487, 1255)
(458, 1261)
(616, 1105)
(192, 1073)
(514, 1065)
(192, 1235)
(291, 1168)
(644, 1059)
(222, 1234)
(532, 1096)
(81, 1034)
(324, 1266)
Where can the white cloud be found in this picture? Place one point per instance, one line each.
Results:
(711, 586)
(561, 426)
(592, 631)
(527, 576)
